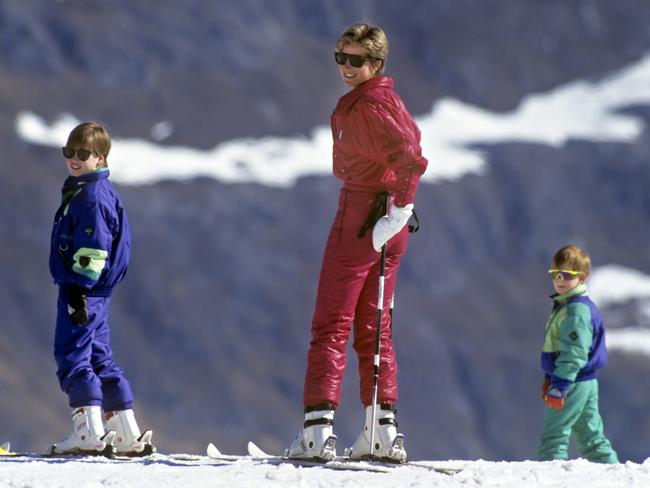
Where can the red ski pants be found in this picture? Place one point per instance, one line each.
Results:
(347, 294)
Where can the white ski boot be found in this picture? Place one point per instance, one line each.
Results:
(87, 436)
(389, 445)
(316, 440)
(128, 440)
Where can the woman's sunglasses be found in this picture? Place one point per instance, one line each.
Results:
(82, 154)
(563, 274)
(356, 61)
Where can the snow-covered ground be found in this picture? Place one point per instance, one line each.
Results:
(579, 109)
(167, 472)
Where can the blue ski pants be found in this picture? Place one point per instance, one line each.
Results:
(86, 370)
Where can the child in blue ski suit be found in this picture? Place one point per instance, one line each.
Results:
(574, 348)
(89, 256)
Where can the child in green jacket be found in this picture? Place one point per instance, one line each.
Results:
(574, 349)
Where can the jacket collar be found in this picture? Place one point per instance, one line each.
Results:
(349, 98)
(581, 289)
(75, 182)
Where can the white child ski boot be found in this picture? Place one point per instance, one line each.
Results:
(389, 445)
(128, 440)
(87, 436)
(316, 440)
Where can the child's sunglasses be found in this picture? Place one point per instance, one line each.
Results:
(563, 274)
(82, 154)
(356, 61)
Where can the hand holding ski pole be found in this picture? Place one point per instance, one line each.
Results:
(390, 224)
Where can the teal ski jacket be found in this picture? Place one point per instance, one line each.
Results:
(574, 343)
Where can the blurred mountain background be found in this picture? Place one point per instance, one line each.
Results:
(212, 322)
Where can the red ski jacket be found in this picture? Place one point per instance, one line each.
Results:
(376, 142)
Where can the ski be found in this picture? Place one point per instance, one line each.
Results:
(345, 462)
(5, 449)
(214, 453)
(340, 463)
(154, 458)
(108, 452)
(256, 455)
(149, 455)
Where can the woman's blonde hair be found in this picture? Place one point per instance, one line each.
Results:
(371, 38)
(91, 136)
(572, 258)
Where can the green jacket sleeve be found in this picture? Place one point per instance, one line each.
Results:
(575, 338)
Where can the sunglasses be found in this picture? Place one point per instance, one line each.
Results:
(82, 154)
(563, 274)
(356, 61)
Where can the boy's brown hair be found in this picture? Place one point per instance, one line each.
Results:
(369, 37)
(91, 136)
(572, 258)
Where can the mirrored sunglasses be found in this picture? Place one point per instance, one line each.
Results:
(82, 154)
(563, 274)
(356, 61)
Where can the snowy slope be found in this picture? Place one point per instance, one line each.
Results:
(613, 285)
(578, 110)
(629, 284)
(203, 472)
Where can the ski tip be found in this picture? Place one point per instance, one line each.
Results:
(255, 451)
(5, 449)
(212, 450)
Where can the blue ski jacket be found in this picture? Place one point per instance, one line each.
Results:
(91, 240)
(574, 344)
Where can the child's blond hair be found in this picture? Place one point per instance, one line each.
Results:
(572, 258)
(91, 136)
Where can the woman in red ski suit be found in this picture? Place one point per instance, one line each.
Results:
(376, 149)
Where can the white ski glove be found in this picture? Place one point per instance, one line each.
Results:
(389, 225)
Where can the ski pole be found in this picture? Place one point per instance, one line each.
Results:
(380, 306)
(390, 313)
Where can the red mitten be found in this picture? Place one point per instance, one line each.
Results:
(554, 399)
